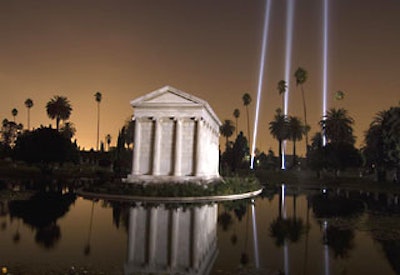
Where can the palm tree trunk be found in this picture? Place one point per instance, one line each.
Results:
(98, 125)
(280, 151)
(248, 125)
(58, 123)
(305, 115)
(236, 130)
(29, 119)
(294, 153)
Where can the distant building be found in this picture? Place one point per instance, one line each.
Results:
(176, 138)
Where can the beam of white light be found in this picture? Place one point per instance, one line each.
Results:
(260, 77)
(288, 66)
(288, 50)
(325, 67)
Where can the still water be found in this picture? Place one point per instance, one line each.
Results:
(289, 232)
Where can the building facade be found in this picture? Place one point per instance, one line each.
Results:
(176, 138)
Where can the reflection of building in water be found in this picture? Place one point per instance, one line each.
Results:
(176, 138)
(174, 241)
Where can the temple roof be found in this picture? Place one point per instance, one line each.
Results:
(171, 98)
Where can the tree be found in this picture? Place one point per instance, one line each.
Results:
(29, 105)
(301, 77)
(227, 129)
(45, 146)
(279, 129)
(340, 156)
(282, 86)
(246, 102)
(316, 159)
(340, 152)
(338, 126)
(129, 132)
(236, 114)
(98, 96)
(68, 130)
(14, 113)
(9, 132)
(240, 150)
(235, 153)
(296, 132)
(59, 108)
(382, 140)
(108, 141)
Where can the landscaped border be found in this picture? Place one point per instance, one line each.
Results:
(156, 199)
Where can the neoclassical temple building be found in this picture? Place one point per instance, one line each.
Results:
(176, 138)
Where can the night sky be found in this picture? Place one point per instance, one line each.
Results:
(211, 49)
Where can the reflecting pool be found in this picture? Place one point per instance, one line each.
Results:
(288, 231)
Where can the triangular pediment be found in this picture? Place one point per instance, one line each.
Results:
(169, 100)
(167, 96)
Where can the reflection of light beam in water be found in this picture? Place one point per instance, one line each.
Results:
(288, 59)
(286, 257)
(283, 215)
(325, 67)
(260, 77)
(255, 238)
(283, 167)
(283, 208)
(326, 248)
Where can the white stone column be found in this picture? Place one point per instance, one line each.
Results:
(156, 147)
(136, 148)
(198, 171)
(178, 148)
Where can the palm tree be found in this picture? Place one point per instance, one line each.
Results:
(382, 142)
(227, 129)
(282, 86)
(246, 102)
(279, 129)
(339, 95)
(59, 108)
(236, 114)
(14, 113)
(108, 141)
(338, 126)
(29, 105)
(98, 97)
(301, 78)
(296, 132)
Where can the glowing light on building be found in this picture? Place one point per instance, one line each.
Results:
(260, 78)
(325, 66)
